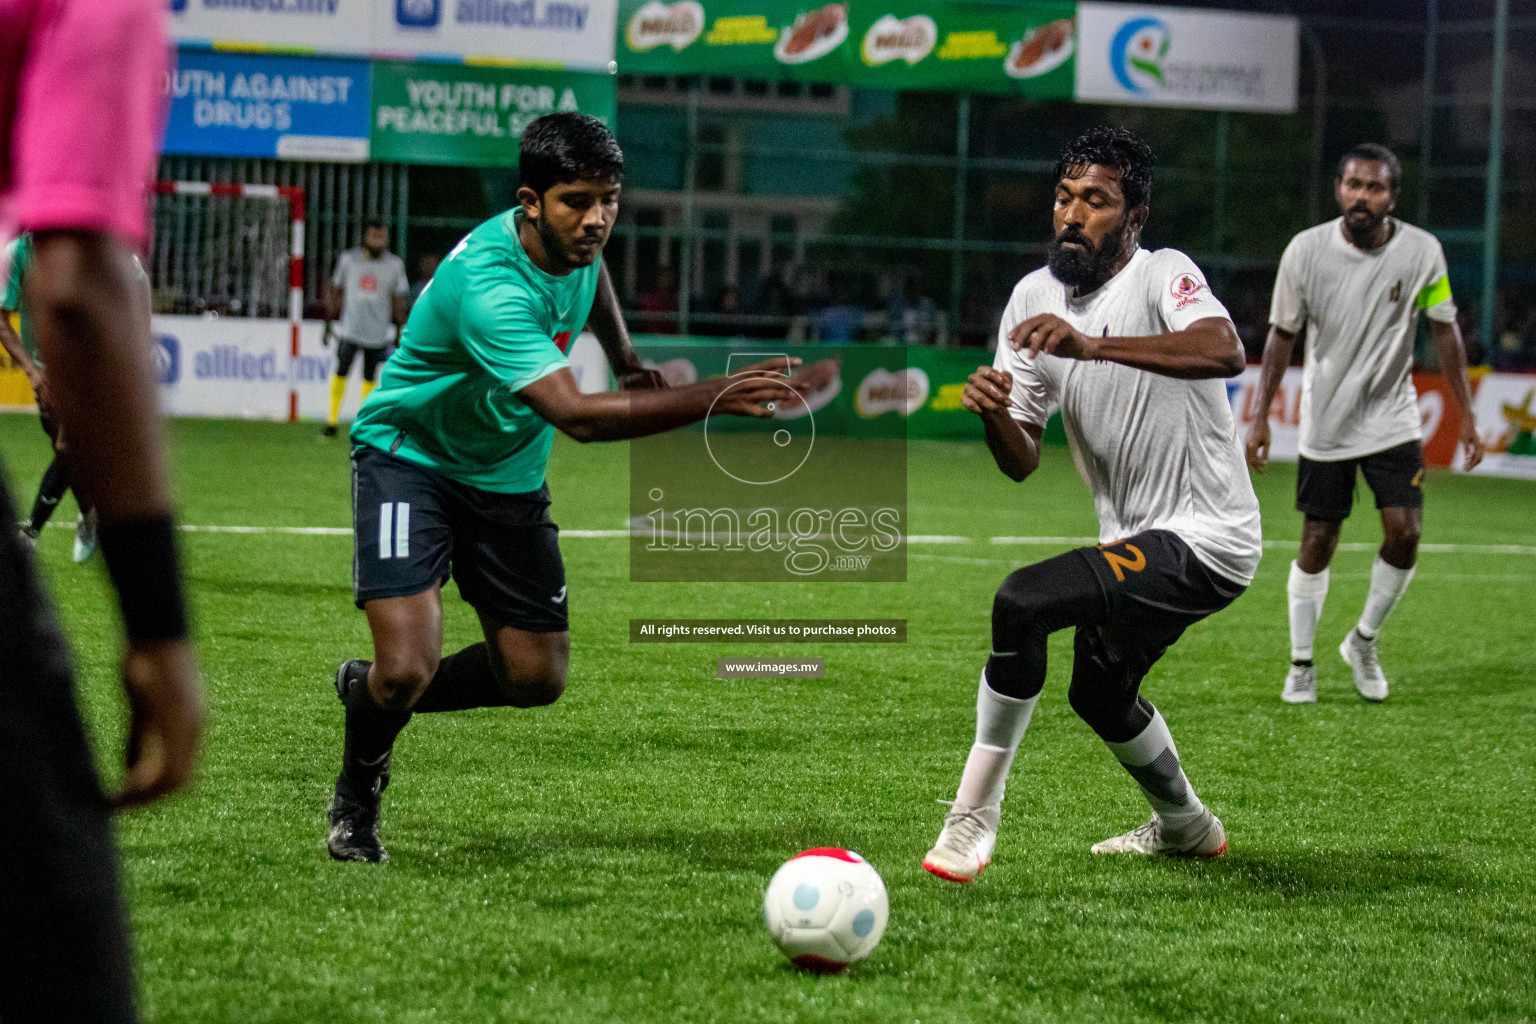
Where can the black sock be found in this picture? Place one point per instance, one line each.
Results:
(464, 680)
(370, 735)
(49, 493)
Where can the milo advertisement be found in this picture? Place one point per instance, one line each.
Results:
(1025, 48)
(766, 39)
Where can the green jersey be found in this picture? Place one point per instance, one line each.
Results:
(489, 324)
(18, 262)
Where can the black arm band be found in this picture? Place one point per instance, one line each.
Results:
(141, 558)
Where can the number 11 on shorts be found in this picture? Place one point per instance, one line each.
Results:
(395, 519)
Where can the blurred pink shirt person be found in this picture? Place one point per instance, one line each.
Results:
(78, 134)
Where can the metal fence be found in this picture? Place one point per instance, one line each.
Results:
(777, 209)
(228, 255)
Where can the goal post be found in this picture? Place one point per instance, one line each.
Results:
(209, 260)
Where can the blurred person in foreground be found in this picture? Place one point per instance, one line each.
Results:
(21, 345)
(1132, 346)
(1357, 285)
(368, 294)
(81, 101)
(450, 453)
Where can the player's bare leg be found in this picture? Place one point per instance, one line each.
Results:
(510, 668)
(1391, 573)
(378, 696)
(1307, 589)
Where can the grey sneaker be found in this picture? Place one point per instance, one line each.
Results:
(85, 538)
(1300, 685)
(29, 535)
(1204, 838)
(964, 846)
(1360, 655)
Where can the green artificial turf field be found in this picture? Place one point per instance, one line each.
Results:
(603, 859)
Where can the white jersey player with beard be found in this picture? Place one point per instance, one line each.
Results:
(1360, 309)
(1133, 347)
(1355, 288)
(1157, 452)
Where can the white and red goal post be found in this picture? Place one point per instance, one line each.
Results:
(294, 197)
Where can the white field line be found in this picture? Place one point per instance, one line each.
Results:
(917, 538)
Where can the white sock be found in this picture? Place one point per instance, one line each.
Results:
(1153, 762)
(1307, 592)
(1000, 725)
(1387, 585)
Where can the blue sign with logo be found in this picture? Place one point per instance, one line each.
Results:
(1137, 52)
(167, 358)
(418, 13)
(296, 108)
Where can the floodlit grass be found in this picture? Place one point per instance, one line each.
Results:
(603, 859)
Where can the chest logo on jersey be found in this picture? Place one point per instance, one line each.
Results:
(1397, 291)
(562, 340)
(368, 283)
(1186, 288)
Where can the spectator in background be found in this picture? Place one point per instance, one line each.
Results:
(426, 266)
(368, 294)
(778, 300)
(660, 303)
(727, 311)
(839, 321)
(912, 317)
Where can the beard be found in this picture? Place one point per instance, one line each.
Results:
(1361, 222)
(1076, 267)
(572, 256)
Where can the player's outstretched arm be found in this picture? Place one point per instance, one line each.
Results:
(607, 322)
(93, 329)
(1015, 447)
(617, 415)
(1277, 356)
(1209, 347)
(1453, 364)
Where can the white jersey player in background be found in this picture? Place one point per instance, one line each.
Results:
(1132, 344)
(1357, 285)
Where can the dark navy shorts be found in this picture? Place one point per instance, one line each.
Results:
(414, 528)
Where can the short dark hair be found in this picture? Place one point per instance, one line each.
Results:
(568, 147)
(1376, 152)
(375, 222)
(1112, 147)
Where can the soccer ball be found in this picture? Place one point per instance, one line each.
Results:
(826, 908)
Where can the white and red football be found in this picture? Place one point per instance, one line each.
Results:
(826, 908)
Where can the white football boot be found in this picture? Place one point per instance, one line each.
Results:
(1300, 685)
(1360, 654)
(1204, 838)
(85, 538)
(964, 847)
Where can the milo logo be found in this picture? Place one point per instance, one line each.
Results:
(892, 38)
(658, 24)
(882, 391)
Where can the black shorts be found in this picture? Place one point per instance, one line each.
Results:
(1326, 490)
(414, 528)
(64, 954)
(373, 358)
(1154, 588)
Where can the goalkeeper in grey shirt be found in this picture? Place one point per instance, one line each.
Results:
(368, 296)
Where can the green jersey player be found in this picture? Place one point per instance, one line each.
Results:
(450, 452)
(21, 346)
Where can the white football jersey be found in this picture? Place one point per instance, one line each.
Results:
(1361, 313)
(1158, 453)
